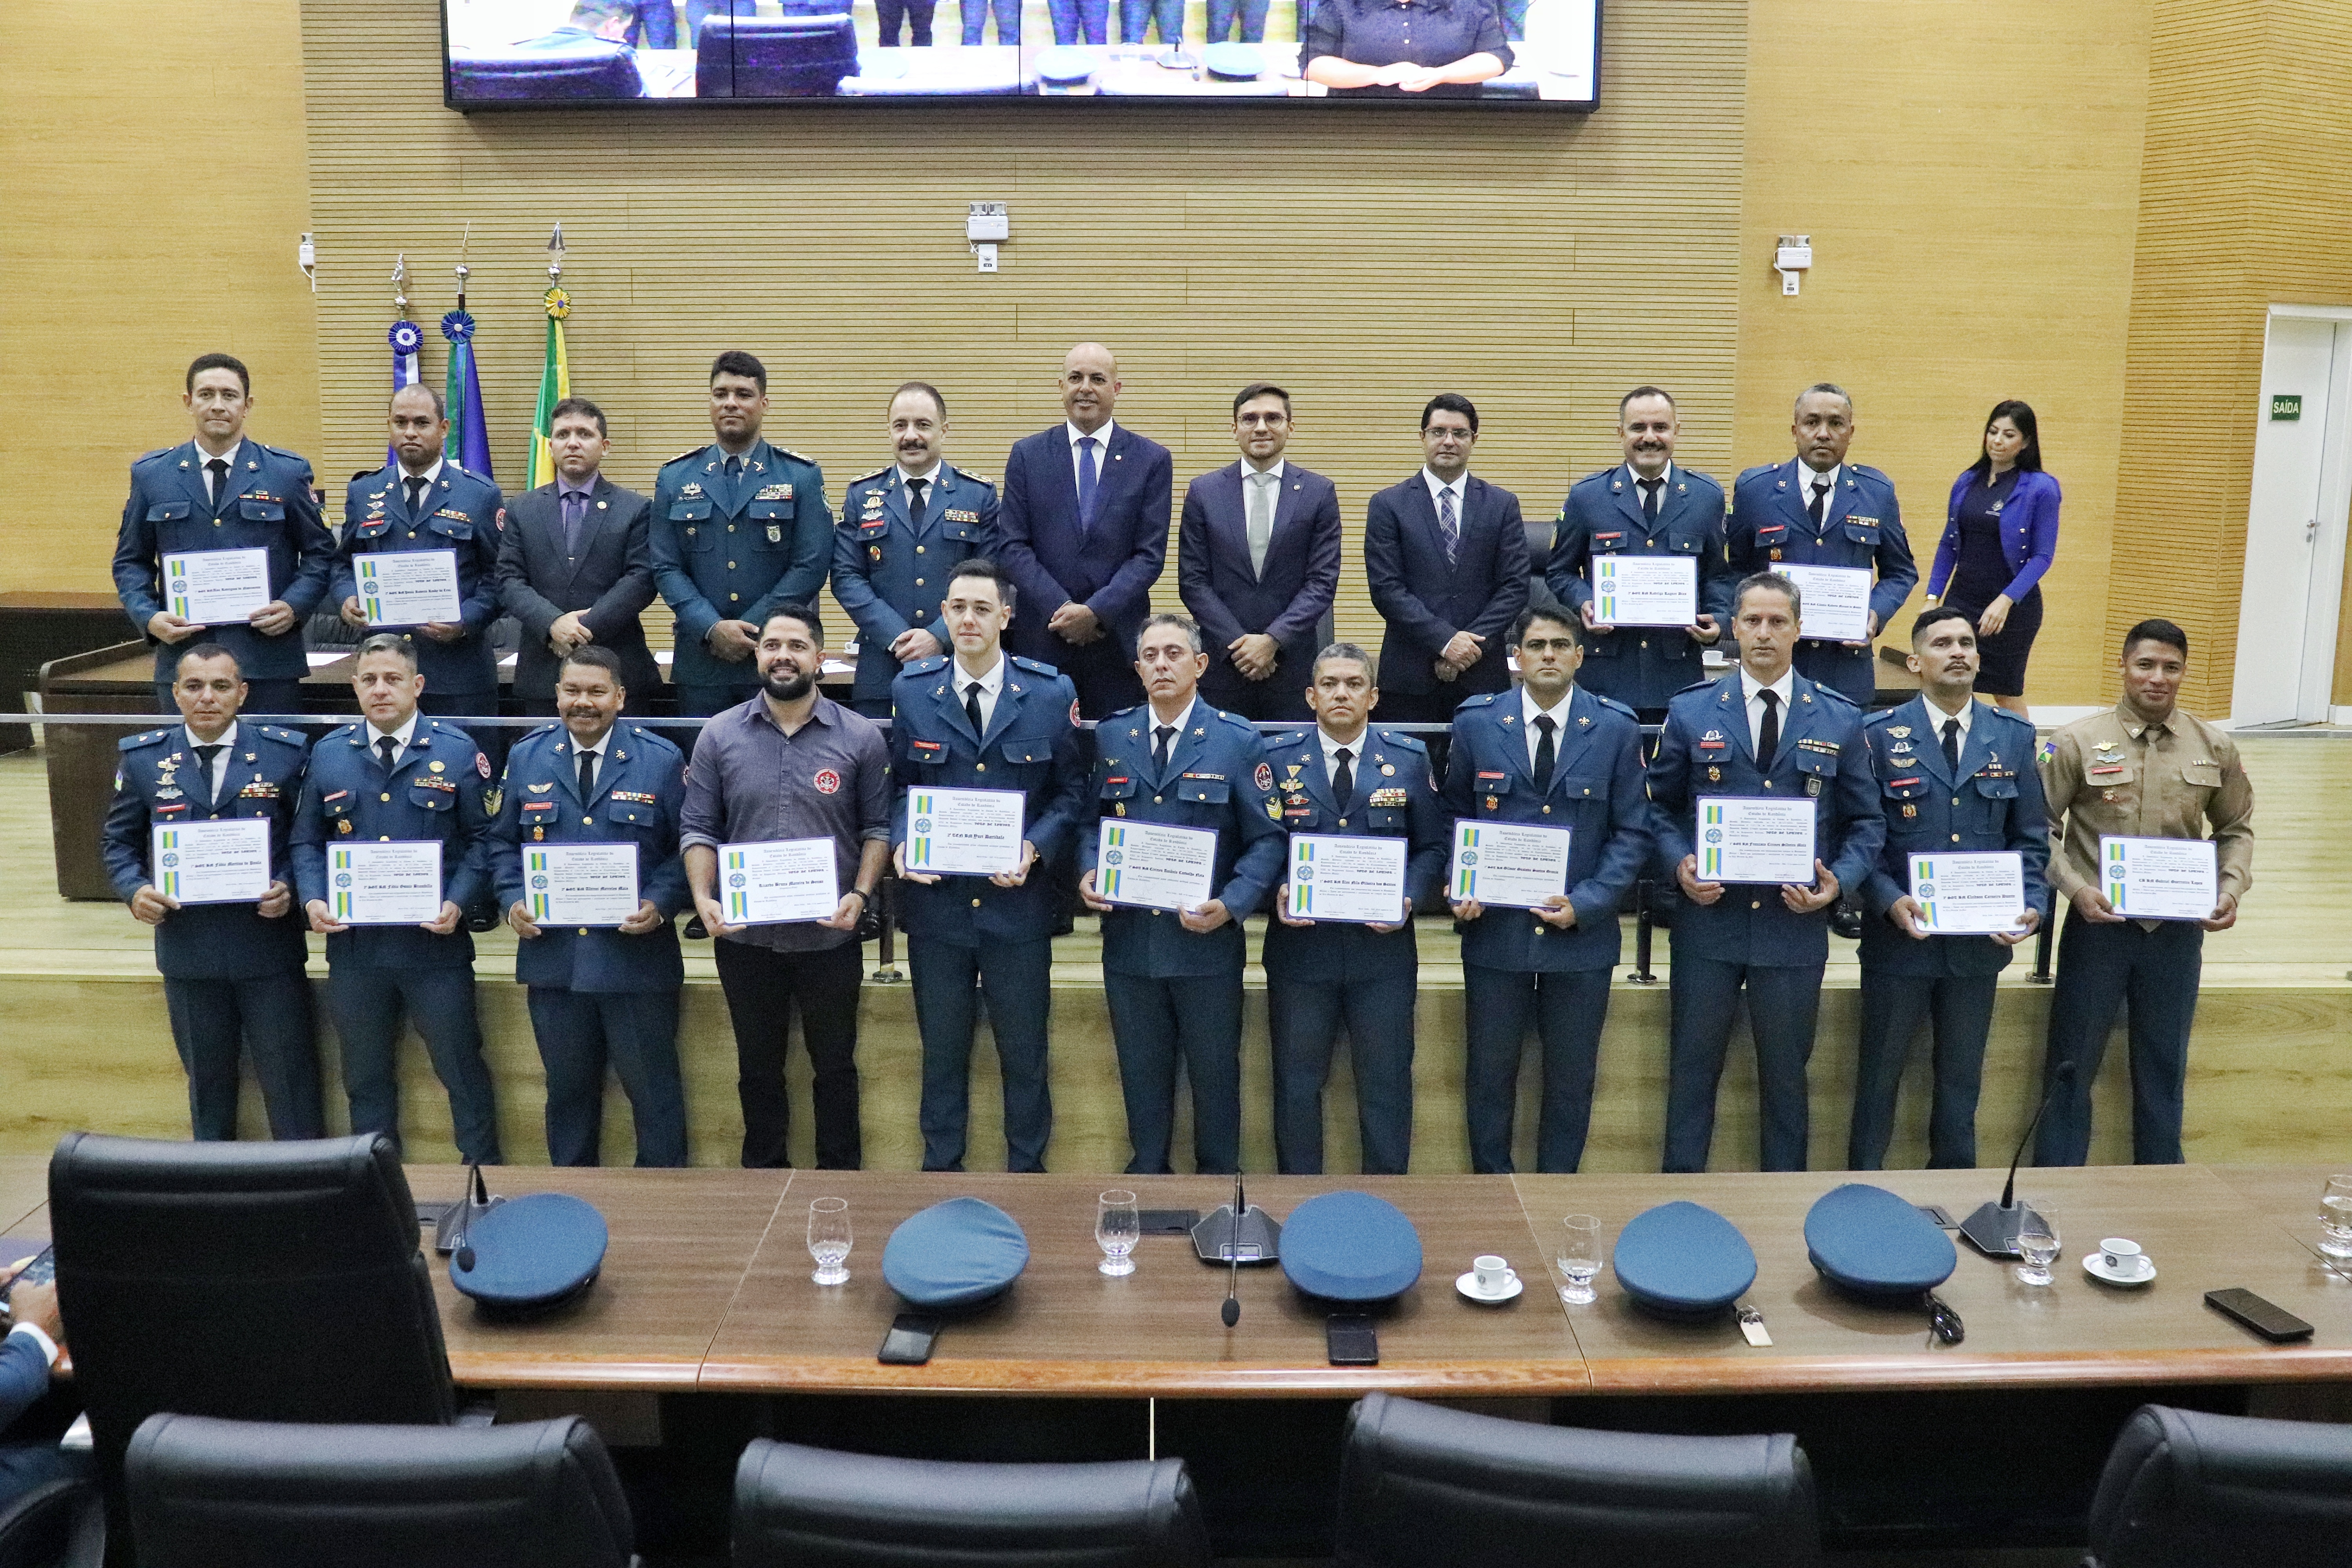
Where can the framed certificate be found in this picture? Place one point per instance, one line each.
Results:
(384, 884)
(1746, 838)
(1347, 876)
(224, 861)
(1836, 606)
(964, 832)
(580, 884)
(1152, 866)
(2159, 878)
(408, 587)
(1970, 894)
(1509, 864)
(779, 882)
(1645, 590)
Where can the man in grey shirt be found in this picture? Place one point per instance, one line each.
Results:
(790, 763)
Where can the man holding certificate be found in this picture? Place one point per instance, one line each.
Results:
(991, 776)
(196, 844)
(1639, 555)
(1367, 841)
(1764, 808)
(1550, 829)
(2152, 829)
(384, 862)
(1188, 841)
(585, 854)
(1959, 882)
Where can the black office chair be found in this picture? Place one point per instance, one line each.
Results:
(776, 57)
(58, 1524)
(813, 1508)
(252, 1494)
(2186, 1490)
(564, 65)
(1421, 1487)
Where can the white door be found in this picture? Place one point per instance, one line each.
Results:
(2296, 525)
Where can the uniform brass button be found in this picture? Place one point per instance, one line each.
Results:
(411, 533)
(587, 822)
(731, 598)
(1956, 839)
(975, 903)
(919, 550)
(730, 566)
(730, 528)
(1767, 784)
(1155, 800)
(1755, 903)
(216, 523)
(1956, 800)
(1343, 822)
(1646, 642)
(583, 930)
(981, 767)
(385, 839)
(919, 582)
(1547, 811)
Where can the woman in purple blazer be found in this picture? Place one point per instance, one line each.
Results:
(1999, 535)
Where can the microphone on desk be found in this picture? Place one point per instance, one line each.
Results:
(1993, 1228)
(1231, 1310)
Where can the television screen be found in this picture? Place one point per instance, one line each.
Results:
(521, 53)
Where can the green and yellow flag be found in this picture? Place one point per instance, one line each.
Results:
(554, 386)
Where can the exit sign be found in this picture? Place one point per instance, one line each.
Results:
(2286, 406)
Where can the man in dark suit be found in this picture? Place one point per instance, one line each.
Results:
(1447, 557)
(36, 1333)
(1258, 562)
(1082, 528)
(575, 566)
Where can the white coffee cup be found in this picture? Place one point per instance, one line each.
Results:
(1493, 1273)
(2122, 1256)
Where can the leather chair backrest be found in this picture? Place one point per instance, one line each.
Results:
(1420, 1486)
(2186, 1490)
(792, 56)
(560, 66)
(813, 1508)
(56, 1524)
(252, 1494)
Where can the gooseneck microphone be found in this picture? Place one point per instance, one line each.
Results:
(1993, 1228)
(1231, 1310)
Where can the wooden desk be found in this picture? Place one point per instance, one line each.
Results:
(2286, 1196)
(24, 1186)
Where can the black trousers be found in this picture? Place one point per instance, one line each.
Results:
(269, 1014)
(888, 13)
(762, 988)
(2101, 968)
(1960, 1006)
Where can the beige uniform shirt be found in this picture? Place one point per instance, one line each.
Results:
(2112, 773)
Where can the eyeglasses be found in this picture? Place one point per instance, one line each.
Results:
(1944, 1325)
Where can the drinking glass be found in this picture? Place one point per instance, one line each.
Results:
(1579, 1259)
(2037, 1243)
(1117, 1228)
(2336, 1217)
(828, 1239)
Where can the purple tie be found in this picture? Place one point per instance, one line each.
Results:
(576, 509)
(1449, 527)
(1088, 481)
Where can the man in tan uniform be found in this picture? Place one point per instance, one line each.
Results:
(2148, 771)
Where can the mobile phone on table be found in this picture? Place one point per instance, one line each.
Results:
(1349, 1337)
(2268, 1318)
(908, 1343)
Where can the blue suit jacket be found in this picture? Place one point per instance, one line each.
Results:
(1643, 666)
(1863, 528)
(1425, 602)
(891, 576)
(1596, 791)
(438, 791)
(1995, 803)
(156, 784)
(1035, 745)
(464, 513)
(1288, 600)
(2029, 532)
(640, 795)
(735, 550)
(1706, 750)
(24, 1377)
(268, 507)
(1109, 567)
(1396, 797)
(1217, 778)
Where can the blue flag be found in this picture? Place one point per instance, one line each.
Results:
(468, 430)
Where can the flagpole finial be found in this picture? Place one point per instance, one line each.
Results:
(555, 255)
(399, 283)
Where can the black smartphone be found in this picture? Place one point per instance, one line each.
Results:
(2272, 1321)
(1169, 1222)
(42, 1270)
(908, 1343)
(1349, 1337)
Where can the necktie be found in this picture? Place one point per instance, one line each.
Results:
(1261, 521)
(1449, 526)
(1819, 511)
(1768, 734)
(734, 467)
(1952, 746)
(1650, 489)
(206, 756)
(387, 748)
(1161, 746)
(1546, 755)
(1088, 481)
(575, 505)
(587, 776)
(916, 505)
(416, 495)
(972, 707)
(1343, 783)
(218, 468)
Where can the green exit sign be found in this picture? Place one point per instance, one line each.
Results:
(2286, 406)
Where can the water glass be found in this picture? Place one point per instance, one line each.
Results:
(2336, 1217)
(1117, 1228)
(828, 1240)
(2037, 1243)
(1579, 1259)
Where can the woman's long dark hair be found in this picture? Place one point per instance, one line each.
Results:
(2021, 415)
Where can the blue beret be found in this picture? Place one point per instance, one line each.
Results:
(1232, 62)
(530, 1252)
(955, 1254)
(1350, 1247)
(1683, 1261)
(1065, 65)
(1870, 1241)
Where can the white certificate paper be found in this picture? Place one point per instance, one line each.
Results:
(224, 861)
(1335, 877)
(1836, 600)
(964, 832)
(1746, 838)
(1645, 590)
(216, 587)
(408, 587)
(394, 884)
(1154, 866)
(779, 883)
(580, 884)
(1968, 894)
(2159, 878)
(1507, 864)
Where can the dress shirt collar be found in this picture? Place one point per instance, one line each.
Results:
(405, 735)
(227, 737)
(431, 477)
(1529, 712)
(1637, 480)
(1273, 473)
(1182, 721)
(602, 748)
(992, 680)
(929, 476)
(584, 489)
(1784, 687)
(757, 710)
(1807, 478)
(204, 459)
(1459, 486)
(2138, 728)
(1331, 745)
(1936, 716)
(1101, 436)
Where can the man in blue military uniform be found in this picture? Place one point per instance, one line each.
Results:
(1343, 777)
(599, 993)
(902, 527)
(1174, 978)
(232, 972)
(1766, 732)
(1647, 506)
(1551, 754)
(1955, 776)
(985, 721)
(222, 492)
(1818, 510)
(400, 776)
(739, 527)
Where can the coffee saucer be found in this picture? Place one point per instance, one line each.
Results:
(2094, 1264)
(1468, 1286)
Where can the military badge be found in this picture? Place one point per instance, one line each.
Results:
(1263, 777)
(776, 534)
(691, 490)
(481, 766)
(774, 492)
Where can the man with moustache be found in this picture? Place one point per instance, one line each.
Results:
(792, 763)
(902, 527)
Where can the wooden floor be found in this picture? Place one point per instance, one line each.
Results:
(83, 1041)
